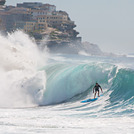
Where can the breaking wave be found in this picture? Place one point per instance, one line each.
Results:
(22, 83)
(27, 79)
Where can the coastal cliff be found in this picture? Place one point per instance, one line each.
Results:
(48, 26)
(41, 21)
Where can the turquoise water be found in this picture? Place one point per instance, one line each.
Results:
(72, 79)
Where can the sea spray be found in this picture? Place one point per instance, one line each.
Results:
(22, 84)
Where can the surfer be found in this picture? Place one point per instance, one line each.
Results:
(96, 88)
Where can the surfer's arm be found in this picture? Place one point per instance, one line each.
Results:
(101, 90)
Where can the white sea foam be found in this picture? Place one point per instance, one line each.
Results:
(20, 78)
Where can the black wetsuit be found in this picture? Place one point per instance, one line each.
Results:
(97, 87)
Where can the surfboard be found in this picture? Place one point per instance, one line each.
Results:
(90, 100)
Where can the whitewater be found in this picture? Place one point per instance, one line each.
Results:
(42, 92)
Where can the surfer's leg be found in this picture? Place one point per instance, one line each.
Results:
(94, 95)
(98, 94)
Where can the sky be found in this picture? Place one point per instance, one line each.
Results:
(107, 23)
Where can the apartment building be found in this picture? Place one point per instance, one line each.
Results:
(37, 5)
(31, 5)
(10, 17)
(35, 17)
(2, 2)
(48, 7)
(52, 19)
(36, 13)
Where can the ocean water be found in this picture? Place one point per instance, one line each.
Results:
(42, 93)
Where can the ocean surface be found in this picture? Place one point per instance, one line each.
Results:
(41, 93)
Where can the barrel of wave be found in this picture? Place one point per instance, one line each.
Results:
(65, 81)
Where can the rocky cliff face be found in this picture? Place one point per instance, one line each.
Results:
(91, 49)
(85, 48)
(75, 47)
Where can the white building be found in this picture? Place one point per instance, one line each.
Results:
(48, 7)
(36, 13)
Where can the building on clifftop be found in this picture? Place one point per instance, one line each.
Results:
(2, 2)
(39, 20)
